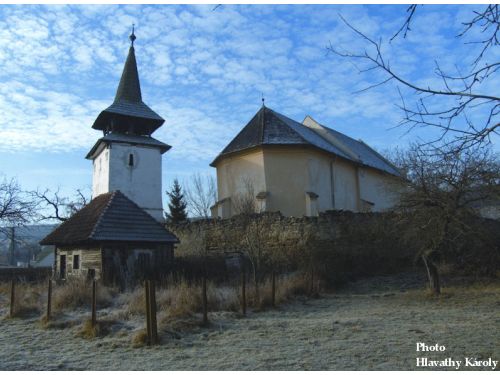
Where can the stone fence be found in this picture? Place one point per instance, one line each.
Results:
(340, 242)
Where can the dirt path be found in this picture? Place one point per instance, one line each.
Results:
(373, 324)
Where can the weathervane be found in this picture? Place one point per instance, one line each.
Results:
(263, 99)
(132, 36)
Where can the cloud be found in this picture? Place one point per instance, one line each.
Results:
(205, 70)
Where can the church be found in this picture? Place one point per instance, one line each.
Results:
(120, 237)
(300, 169)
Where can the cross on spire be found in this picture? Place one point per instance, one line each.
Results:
(132, 36)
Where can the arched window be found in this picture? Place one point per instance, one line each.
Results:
(131, 160)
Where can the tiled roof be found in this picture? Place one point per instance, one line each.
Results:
(128, 107)
(129, 139)
(268, 127)
(109, 217)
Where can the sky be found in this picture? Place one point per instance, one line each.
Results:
(204, 70)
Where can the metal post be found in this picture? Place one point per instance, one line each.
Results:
(94, 303)
(12, 297)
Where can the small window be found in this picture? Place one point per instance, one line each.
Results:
(130, 160)
(76, 262)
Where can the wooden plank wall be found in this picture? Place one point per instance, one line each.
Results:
(89, 259)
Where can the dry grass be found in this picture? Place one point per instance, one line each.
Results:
(287, 287)
(372, 324)
(88, 331)
(28, 297)
(78, 293)
(140, 338)
(458, 294)
(182, 299)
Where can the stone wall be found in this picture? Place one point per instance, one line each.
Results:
(338, 244)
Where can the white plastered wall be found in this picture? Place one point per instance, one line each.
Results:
(140, 182)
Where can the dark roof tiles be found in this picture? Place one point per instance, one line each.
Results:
(268, 127)
(109, 217)
(128, 107)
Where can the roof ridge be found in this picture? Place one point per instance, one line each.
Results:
(338, 143)
(284, 122)
(98, 221)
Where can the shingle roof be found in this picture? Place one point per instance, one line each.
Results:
(268, 127)
(109, 217)
(130, 139)
(363, 153)
(128, 109)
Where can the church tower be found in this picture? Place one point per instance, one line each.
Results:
(127, 157)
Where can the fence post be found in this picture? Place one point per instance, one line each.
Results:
(311, 288)
(12, 297)
(243, 290)
(204, 297)
(273, 290)
(152, 310)
(148, 312)
(49, 299)
(94, 302)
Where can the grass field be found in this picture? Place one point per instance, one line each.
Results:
(371, 324)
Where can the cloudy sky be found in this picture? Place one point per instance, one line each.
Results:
(204, 71)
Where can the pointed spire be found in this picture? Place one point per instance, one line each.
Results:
(129, 87)
(128, 113)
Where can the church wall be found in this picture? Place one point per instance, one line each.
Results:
(233, 174)
(378, 188)
(290, 173)
(345, 185)
(141, 182)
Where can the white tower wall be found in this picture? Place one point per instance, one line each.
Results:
(135, 170)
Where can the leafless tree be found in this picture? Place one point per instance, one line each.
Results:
(16, 207)
(254, 231)
(438, 198)
(53, 206)
(451, 107)
(201, 194)
(244, 201)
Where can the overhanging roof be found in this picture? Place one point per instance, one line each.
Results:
(128, 139)
(268, 127)
(110, 217)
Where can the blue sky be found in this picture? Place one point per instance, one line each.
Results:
(204, 72)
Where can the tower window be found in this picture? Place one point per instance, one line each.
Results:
(130, 160)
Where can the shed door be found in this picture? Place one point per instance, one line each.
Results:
(62, 266)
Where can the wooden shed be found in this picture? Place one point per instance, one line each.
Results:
(114, 240)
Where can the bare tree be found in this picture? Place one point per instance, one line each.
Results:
(244, 201)
(254, 231)
(16, 207)
(449, 108)
(201, 194)
(53, 206)
(438, 199)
